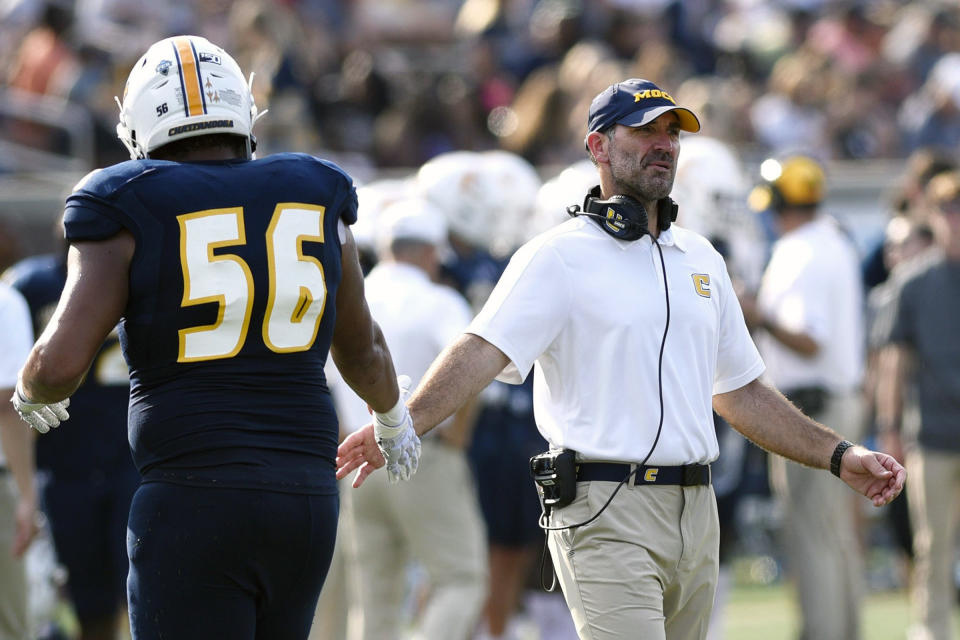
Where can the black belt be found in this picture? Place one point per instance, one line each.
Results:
(687, 475)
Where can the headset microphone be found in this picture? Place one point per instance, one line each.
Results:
(623, 216)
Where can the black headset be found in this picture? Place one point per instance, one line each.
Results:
(622, 216)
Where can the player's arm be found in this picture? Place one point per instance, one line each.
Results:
(92, 302)
(765, 416)
(358, 348)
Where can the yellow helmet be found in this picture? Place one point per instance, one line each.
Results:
(797, 181)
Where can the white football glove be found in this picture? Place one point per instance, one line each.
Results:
(396, 438)
(38, 415)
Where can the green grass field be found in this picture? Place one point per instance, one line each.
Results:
(754, 612)
(769, 613)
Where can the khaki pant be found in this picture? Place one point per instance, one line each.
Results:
(433, 519)
(820, 539)
(646, 568)
(14, 622)
(933, 488)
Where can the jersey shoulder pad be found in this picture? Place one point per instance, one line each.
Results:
(105, 182)
(307, 160)
(334, 175)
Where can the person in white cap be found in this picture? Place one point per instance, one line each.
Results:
(434, 519)
(18, 496)
(635, 335)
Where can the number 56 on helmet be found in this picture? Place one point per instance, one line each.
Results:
(181, 87)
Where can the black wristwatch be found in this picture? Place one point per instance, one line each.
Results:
(838, 456)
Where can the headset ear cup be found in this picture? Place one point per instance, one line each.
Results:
(621, 216)
(666, 213)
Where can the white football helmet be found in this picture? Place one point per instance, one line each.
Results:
(181, 87)
(710, 190)
(456, 182)
(569, 187)
(372, 199)
(512, 197)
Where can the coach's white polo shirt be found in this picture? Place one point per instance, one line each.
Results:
(587, 312)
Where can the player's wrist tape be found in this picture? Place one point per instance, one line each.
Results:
(395, 416)
(21, 396)
(837, 456)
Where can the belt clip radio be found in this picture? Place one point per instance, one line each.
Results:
(555, 473)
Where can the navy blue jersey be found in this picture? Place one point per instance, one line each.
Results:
(96, 441)
(473, 274)
(230, 314)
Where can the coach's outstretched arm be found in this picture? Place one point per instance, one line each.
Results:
(460, 372)
(765, 416)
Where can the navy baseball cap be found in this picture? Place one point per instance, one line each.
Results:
(634, 103)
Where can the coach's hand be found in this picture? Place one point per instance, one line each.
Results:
(876, 475)
(390, 440)
(38, 415)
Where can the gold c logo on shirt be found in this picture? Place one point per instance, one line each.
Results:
(701, 283)
(650, 475)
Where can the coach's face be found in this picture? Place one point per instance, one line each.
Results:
(643, 160)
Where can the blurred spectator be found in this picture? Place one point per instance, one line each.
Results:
(791, 115)
(921, 34)
(45, 64)
(433, 519)
(907, 199)
(851, 36)
(808, 314)
(904, 238)
(88, 476)
(930, 117)
(859, 123)
(918, 410)
(18, 496)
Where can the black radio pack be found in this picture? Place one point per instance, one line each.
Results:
(555, 473)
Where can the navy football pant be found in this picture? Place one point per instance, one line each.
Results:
(226, 563)
(88, 520)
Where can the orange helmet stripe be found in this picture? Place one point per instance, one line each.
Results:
(190, 77)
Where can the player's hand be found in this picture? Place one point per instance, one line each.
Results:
(389, 441)
(876, 475)
(38, 415)
(395, 437)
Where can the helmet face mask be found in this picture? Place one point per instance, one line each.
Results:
(182, 87)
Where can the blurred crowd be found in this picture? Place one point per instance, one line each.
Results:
(391, 83)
